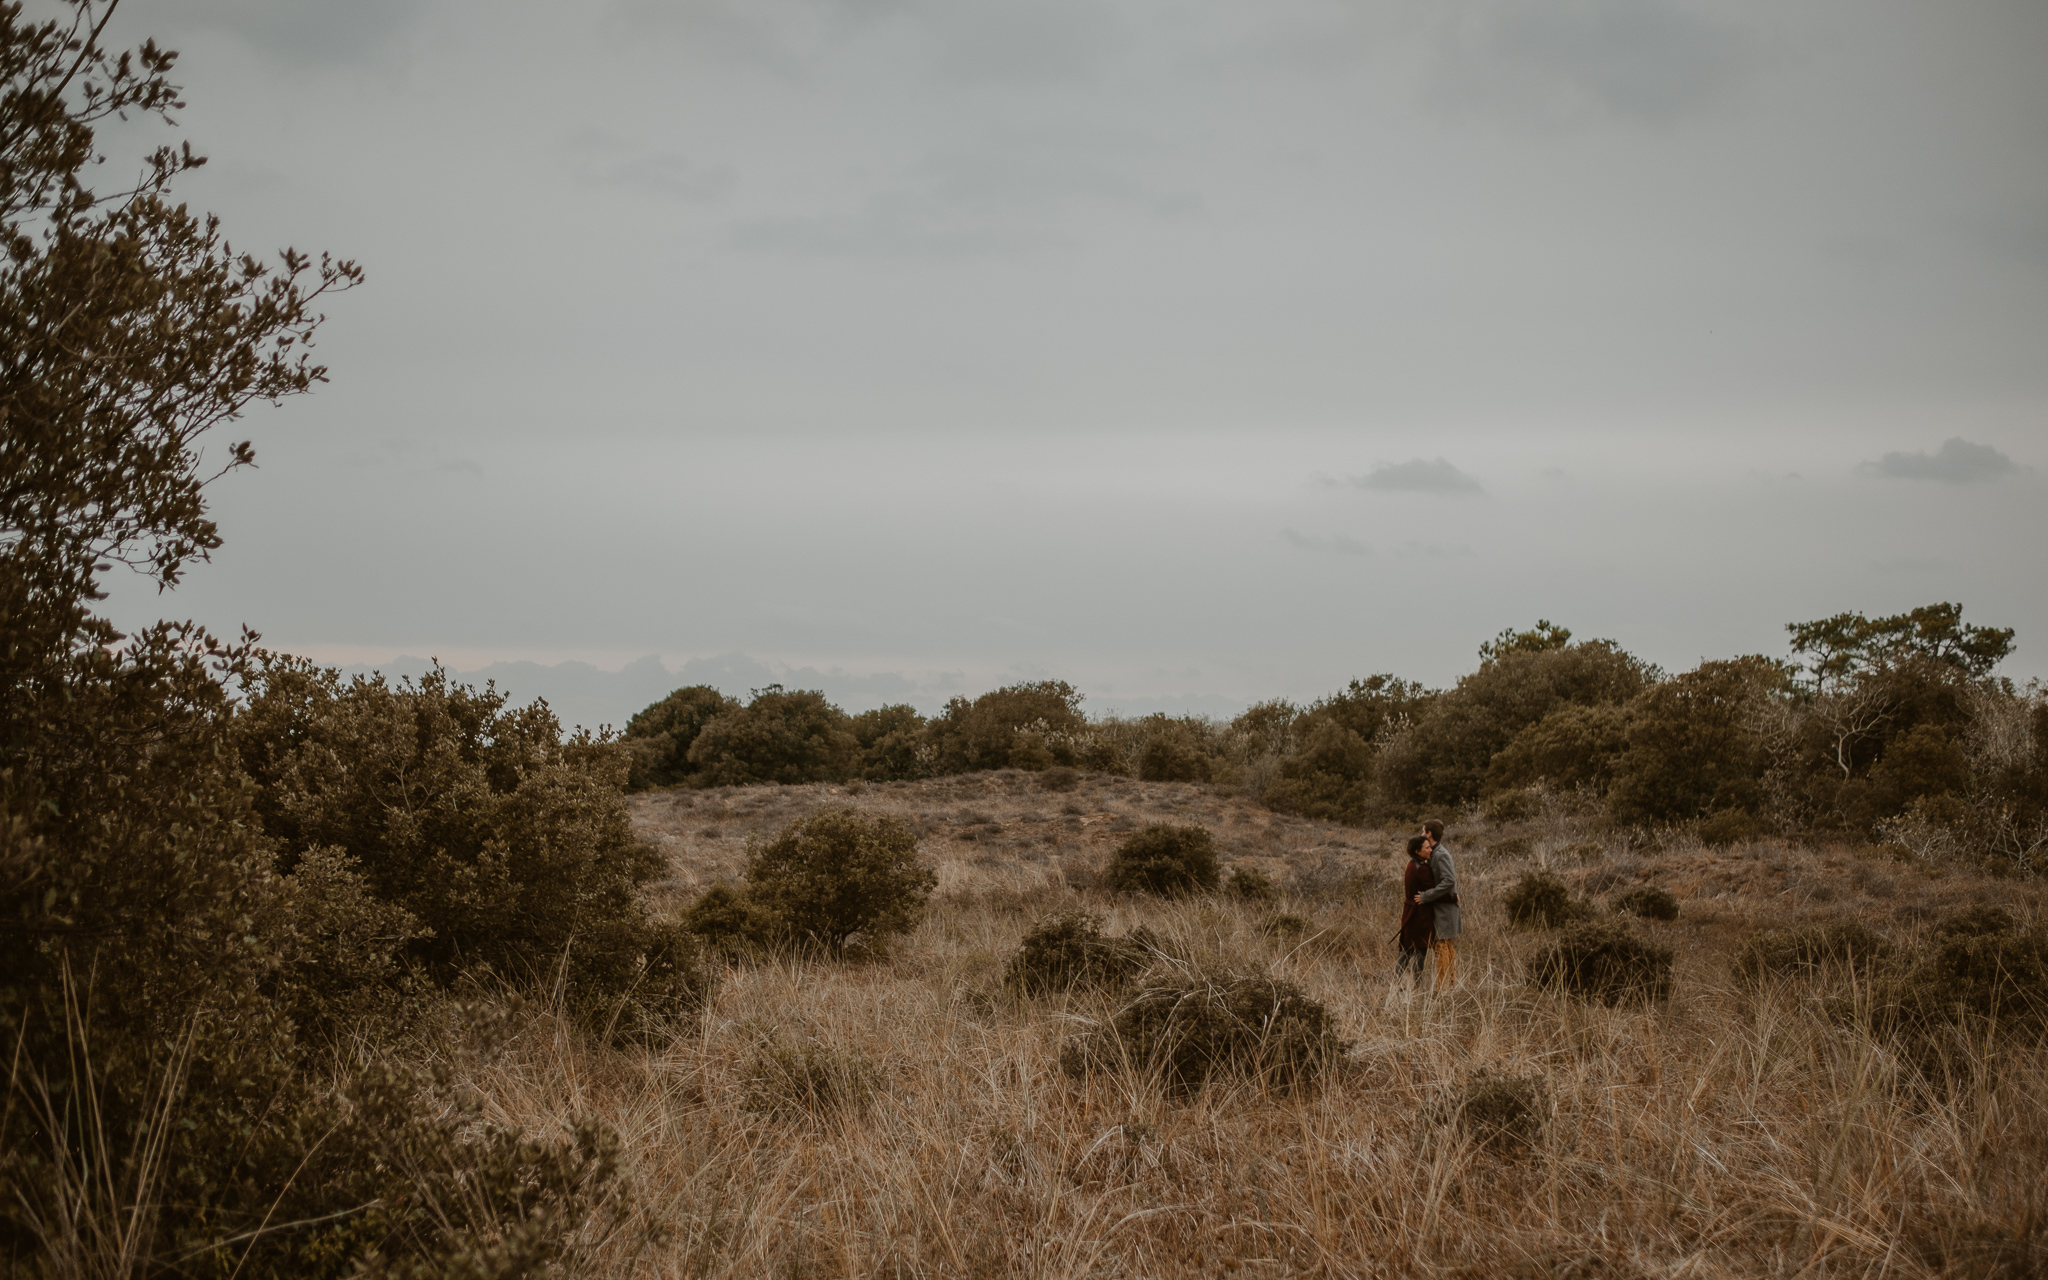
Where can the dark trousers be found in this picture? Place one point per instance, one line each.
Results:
(1411, 960)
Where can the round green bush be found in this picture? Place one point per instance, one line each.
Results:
(1539, 900)
(837, 873)
(1651, 902)
(1070, 950)
(730, 922)
(1190, 1028)
(1249, 884)
(1166, 860)
(1603, 960)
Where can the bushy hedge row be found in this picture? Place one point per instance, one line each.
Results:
(1888, 728)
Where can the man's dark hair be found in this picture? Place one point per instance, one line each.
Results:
(1414, 845)
(1435, 829)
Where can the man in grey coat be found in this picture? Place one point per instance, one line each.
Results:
(1444, 897)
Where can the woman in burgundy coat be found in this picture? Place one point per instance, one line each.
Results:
(1418, 924)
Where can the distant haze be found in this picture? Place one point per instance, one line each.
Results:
(1194, 353)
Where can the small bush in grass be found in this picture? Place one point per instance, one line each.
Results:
(1512, 847)
(1164, 859)
(1189, 1028)
(1603, 960)
(1975, 922)
(1512, 805)
(1070, 950)
(1729, 826)
(1539, 900)
(1502, 1112)
(1584, 850)
(731, 924)
(837, 873)
(784, 1081)
(1285, 927)
(1249, 884)
(1060, 778)
(670, 989)
(1801, 952)
(1650, 901)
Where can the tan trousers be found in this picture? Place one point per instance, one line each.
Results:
(1446, 964)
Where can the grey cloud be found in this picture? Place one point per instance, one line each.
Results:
(411, 456)
(1419, 475)
(1637, 59)
(1341, 544)
(662, 174)
(890, 228)
(1957, 462)
(310, 32)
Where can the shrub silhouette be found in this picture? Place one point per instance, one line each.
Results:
(1693, 744)
(1729, 826)
(1603, 960)
(1174, 750)
(1502, 1112)
(1069, 950)
(1060, 778)
(1190, 1028)
(837, 873)
(1810, 949)
(783, 1081)
(1652, 902)
(1249, 884)
(1574, 746)
(660, 736)
(1166, 860)
(1966, 999)
(778, 737)
(1539, 900)
(1979, 921)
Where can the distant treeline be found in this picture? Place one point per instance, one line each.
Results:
(1889, 728)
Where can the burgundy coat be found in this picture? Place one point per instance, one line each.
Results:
(1418, 924)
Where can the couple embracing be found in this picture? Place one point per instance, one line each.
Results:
(1429, 907)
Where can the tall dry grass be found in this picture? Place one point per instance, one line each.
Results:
(1728, 1132)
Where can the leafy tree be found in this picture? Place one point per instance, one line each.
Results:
(890, 738)
(837, 873)
(1694, 742)
(1036, 725)
(778, 737)
(1571, 747)
(1838, 649)
(659, 737)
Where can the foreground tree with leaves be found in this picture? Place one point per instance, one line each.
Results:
(156, 961)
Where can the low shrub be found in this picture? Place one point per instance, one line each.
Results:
(1539, 900)
(1603, 960)
(1650, 901)
(1810, 949)
(1249, 884)
(1512, 847)
(1069, 950)
(808, 1080)
(1975, 922)
(1512, 805)
(1189, 1028)
(780, 736)
(1584, 850)
(659, 737)
(730, 922)
(1502, 1112)
(837, 873)
(1060, 778)
(1166, 860)
(1729, 826)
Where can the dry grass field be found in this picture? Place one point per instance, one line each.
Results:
(1722, 1134)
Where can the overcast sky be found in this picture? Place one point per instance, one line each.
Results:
(1197, 353)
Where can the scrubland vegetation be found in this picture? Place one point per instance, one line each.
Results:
(311, 977)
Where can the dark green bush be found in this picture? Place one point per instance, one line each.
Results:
(780, 736)
(1060, 778)
(1810, 949)
(730, 922)
(1960, 1003)
(1284, 926)
(1069, 950)
(1574, 746)
(1980, 921)
(837, 873)
(1249, 884)
(1174, 750)
(1694, 744)
(659, 737)
(1539, 900)
(807, 1080)
(1727, 827)
(1603, 960)
(1651, 902)
(1166, 860)
(890, 741)
(1505, 1113)
(1022, 726)
(1189, 1028)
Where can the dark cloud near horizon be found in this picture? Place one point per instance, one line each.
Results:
(1958, 461)
(1420, 475)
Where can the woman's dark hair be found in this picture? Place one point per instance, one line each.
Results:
(1414, 845)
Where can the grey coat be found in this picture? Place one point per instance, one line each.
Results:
(1447, 923)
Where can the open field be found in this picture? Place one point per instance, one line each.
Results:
(1721, 1134)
